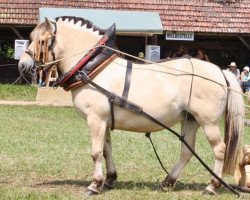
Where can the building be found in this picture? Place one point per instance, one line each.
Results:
(221, 27)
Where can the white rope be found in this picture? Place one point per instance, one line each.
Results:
(58, 60)
(141, 59)
(158, 64)
(3, 65)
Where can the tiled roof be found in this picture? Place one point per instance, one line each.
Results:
(176, 15)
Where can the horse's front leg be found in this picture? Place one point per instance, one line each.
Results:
(97, 132)
(111, 174)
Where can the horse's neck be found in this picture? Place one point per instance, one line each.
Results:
(74, 41)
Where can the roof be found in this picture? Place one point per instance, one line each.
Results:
(176, 15)
(127, 22)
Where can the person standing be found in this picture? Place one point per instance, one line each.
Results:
(233, 68)
(182, 50)
(200, 54)
(245, 79)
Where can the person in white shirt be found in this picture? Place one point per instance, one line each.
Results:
(245, 79)
(233, 68)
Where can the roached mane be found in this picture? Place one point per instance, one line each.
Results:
(86, 22)
(41, 28)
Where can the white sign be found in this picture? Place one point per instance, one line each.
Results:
(20, 47)
(187, 36)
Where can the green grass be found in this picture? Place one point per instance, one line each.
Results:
(17, 92)
(45, 154)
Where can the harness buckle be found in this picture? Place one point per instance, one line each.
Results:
(83, 76)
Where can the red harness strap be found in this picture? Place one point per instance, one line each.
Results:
(83, 61)
(91, 75)
(92, 59)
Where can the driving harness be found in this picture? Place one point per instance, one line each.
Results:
(92, 63)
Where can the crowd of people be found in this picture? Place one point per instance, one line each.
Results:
(242, 77)
(198, 53)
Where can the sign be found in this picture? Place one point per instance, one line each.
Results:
(20, 47)
(187, 36)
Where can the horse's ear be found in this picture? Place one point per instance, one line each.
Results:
(49, 26)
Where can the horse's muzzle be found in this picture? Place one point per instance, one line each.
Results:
(25, 66)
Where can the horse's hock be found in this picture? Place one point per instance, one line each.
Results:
(53, 96)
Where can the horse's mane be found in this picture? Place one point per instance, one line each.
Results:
(83, 22)
(41, 28)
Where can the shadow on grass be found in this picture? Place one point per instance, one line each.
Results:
(131, 185)
(69, 182)
(127, 185)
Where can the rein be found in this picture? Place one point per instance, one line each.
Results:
(131, 106)
(47, 65)
(121, 101)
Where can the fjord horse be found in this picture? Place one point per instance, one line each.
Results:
(166, 90)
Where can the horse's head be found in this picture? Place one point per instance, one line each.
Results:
(66, 40)
(41, 49)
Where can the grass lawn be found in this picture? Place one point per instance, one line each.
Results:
(18, 92)
(45, 154)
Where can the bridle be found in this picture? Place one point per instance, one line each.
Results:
(41, 51)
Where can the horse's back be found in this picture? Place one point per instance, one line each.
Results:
(162, 90)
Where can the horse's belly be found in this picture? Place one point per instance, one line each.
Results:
(126, 120)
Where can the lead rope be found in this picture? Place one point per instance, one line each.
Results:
(185, 121)
(157, 155)
(138, 110)
(192, 151)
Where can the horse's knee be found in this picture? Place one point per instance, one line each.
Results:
(96, 155)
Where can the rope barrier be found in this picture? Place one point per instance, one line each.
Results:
(3, 65)
(141, 59)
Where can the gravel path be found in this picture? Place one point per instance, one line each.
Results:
(34, 103)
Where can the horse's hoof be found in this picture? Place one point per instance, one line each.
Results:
(169, 185)
(160, 188)
(106, 187)
(209, 192)
(88, 193)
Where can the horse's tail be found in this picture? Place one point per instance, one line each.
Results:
(234, 123)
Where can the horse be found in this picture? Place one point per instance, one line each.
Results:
(188, 91)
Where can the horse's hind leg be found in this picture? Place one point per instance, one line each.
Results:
(111, 174)
(212, 133)
(188, 130)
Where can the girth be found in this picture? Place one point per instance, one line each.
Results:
(123, 101)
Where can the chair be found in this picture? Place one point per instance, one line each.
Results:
(51, 76)
(19, 78)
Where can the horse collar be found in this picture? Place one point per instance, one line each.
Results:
(90, 63)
